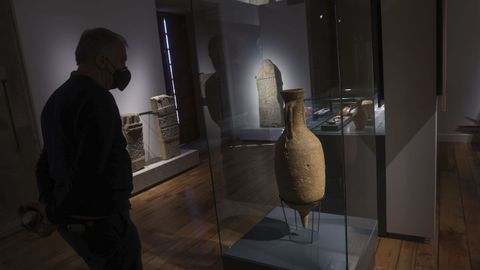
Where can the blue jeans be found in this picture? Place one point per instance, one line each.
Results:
(112, 243)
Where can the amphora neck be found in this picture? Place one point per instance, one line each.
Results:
(294, 110)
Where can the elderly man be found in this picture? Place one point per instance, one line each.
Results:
(84, 173)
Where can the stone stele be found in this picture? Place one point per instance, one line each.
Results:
(167, 127)
(133, 131)
(269, 86)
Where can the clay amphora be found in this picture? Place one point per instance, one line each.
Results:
(299, 159)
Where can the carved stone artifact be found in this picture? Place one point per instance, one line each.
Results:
(299, 159)
(167, 127)
(347, 110)
(269, 86)
(133, 132)
(364, 113)
(167, 120)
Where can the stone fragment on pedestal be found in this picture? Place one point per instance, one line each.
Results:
(167, 127)
(269, 86)
(132, 129)
(167, 120)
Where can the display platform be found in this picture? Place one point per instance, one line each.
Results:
(158, 172)
(268, 245)
(349, 128)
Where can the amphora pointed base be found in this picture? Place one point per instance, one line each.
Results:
(299, 233)
(303, 210)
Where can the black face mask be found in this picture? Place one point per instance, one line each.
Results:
(121, 78)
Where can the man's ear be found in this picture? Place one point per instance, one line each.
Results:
(100, 61)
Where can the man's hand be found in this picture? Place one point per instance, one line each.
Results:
(34, 219)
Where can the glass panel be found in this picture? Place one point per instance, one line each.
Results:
(247, 48)
(357, 86)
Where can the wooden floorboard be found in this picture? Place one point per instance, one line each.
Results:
(425, 258)
(178, 226)
(407, 257)
(471, 190)
(453, 246)
(388, 252)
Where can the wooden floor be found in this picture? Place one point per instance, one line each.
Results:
(393, 254)
(458, 201)
(177, 222)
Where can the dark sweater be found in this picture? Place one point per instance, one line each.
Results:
(84, 168)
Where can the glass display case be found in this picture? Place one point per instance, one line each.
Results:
(289, 109)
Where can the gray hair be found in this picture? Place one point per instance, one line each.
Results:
(96, 41)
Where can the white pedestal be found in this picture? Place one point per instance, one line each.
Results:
(268, 243)
(163, 170)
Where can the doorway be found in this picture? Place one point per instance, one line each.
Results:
(178, 73)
